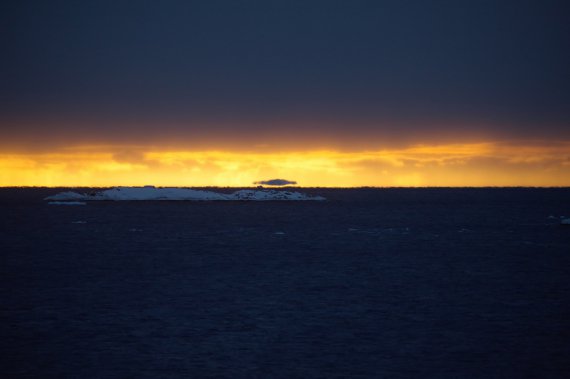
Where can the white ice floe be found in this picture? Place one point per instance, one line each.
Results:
(152, 193)
(66, 196)
(66, 202)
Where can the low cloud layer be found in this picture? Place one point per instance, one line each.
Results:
(275, 182)
(461, 164)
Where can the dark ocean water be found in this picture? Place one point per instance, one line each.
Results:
(374, 283)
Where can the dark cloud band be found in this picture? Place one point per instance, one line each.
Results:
(276, 182)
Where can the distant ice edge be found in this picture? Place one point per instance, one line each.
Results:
(152, 193)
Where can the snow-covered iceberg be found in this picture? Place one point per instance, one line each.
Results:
(153, 193)
(261, 195)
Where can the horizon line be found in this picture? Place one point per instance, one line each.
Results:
(297, 187)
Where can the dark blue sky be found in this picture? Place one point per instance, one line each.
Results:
(344, 66)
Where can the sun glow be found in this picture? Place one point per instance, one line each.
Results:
(475, 164)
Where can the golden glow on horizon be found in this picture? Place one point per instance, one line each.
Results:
(473, 164)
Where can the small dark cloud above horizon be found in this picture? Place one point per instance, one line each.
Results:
(276, 182)
(367, 68)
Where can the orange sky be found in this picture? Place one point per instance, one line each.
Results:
(323, 93)
(482, 163)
